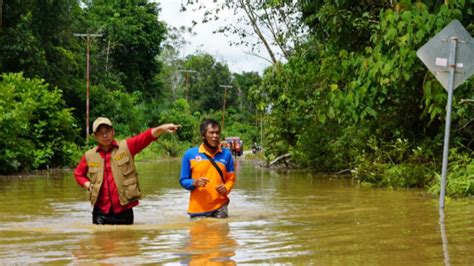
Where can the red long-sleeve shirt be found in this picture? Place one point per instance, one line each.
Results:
(108, 199)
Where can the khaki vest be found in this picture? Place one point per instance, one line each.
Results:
(123, 170)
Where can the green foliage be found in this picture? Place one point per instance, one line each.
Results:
(355, 96)
(125, 80)
(36, 130)
(180, 113)
(393, 165)
(20, 48)
(460, 178)
(121, 107)
(204, 90)
(133, 36)
(168, 146)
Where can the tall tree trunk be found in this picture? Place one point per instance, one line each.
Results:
(253, 20)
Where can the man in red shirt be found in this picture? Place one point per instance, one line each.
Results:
(108, 171)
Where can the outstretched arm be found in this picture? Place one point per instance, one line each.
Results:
(165, 128)
(137, 143)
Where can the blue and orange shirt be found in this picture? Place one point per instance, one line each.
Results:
(196, 164)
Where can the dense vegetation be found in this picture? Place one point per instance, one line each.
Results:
(350, 94)
(356, 97)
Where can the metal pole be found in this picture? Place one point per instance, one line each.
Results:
(223, 107)
(452, 68)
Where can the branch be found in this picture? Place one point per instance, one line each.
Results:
(279, 158)
(259, 56)
(465, 125)
(253, 21)
(272, 31)
(467, 101)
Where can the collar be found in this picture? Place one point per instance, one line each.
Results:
(99, 149)
(203, 149)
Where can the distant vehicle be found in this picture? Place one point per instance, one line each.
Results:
(235, 145)
(256, 148)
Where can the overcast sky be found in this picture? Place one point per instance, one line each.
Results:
(216, 45)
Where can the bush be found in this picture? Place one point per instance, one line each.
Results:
(35, 129)
(460, 178)
(393, 164)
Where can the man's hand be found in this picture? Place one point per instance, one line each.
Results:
(87, 185)
(221, 189)
(165, 128)
(200, 182)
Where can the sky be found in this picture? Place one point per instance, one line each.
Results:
(204, 40)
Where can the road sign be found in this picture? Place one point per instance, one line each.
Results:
(435, 54)
(450, 57)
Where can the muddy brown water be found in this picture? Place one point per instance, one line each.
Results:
(277, 217)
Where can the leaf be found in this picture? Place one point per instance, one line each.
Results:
(331, 112)
(322, 118)
(371, 111)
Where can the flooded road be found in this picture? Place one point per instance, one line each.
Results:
(275, 218)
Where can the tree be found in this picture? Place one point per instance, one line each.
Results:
(276, 24)
(37, 40)
(20, 48)
(170, 75)
(1, 15)
(36, 130)
(133, 37)
(245, 82)
(367, 103)
(205, 92)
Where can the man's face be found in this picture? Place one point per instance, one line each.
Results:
(212, 136)
(104, 136)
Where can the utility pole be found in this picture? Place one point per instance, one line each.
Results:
(261, 129)
(88, 40)
(223, 107)
(187, 71)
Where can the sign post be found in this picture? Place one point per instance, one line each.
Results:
(449, 55)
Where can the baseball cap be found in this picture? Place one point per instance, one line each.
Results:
(100, 121)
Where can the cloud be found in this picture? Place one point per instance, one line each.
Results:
(204, 40)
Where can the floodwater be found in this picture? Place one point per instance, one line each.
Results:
(276, 217)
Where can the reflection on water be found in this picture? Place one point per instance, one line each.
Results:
(209, 243)
(106, 246)
(276, 217)
(444, 237)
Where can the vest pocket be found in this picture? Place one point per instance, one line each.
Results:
(92, 171)
(130, 187)
(126, 167)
